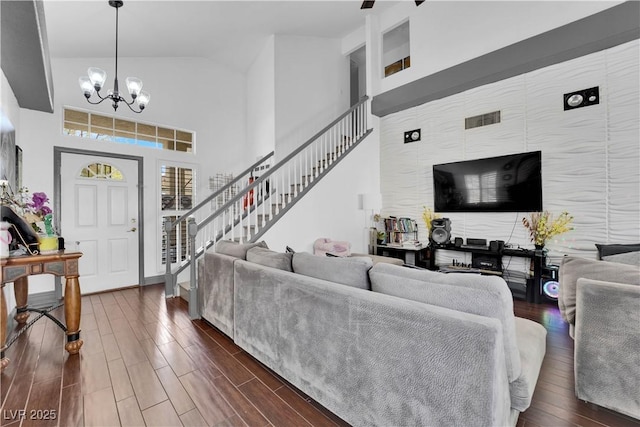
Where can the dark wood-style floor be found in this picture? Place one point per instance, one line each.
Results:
(144, 362)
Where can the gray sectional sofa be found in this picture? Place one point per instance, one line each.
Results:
(381, 345)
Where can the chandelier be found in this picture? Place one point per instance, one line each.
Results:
(96, 78)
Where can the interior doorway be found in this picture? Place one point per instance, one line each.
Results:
(358, 75)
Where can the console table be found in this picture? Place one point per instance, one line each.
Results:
(490, 262)
(418, 256)
(17, 270)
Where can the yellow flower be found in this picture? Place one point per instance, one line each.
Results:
(542, 226)
(427, 216)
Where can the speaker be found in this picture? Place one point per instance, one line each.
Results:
(440, 230)
(485, 262)
(496, 245)
(549, 284)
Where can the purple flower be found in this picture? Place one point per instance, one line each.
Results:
(39, 199)
(45, 210)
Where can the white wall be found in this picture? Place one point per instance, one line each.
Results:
(311, 86)
(590, 155)
(447, 33)
(214, 109)
(332, 207)
(261, 100)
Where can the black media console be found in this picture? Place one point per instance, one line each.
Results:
(486, 261)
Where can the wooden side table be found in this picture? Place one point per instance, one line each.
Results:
(18, 269)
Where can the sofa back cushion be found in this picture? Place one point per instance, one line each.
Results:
(347, 271)
(269, 258)
(237, 250)
(487, 296)
(574, 268)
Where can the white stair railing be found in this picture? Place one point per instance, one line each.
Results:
(264, 199)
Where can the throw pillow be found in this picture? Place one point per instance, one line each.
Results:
(614, 249)
(344, 270)
(269, 258)
(235, 249)
(338, 248)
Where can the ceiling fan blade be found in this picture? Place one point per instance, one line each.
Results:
(367, 4)
(419, 2)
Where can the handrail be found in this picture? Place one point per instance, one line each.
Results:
(280, 164)
(221, 190)
(323, 131)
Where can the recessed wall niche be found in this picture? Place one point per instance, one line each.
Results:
(396, 55)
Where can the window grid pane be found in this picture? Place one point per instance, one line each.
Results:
(96, 126)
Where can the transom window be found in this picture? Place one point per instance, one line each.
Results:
(101, 171)
(85, 124)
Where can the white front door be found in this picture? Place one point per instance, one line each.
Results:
(99, 217)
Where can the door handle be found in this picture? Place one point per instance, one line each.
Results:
(133, 230)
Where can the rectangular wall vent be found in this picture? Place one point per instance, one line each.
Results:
(482, 120)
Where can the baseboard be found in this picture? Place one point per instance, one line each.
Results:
(153, 280)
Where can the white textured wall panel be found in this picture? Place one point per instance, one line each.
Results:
(623, 84)
(400, 161)
(590, 155)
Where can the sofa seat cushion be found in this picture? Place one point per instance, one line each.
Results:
(269, 258)
(348, 271)
(573, 268)
(532, 345)
(235, 249)
(471, 293)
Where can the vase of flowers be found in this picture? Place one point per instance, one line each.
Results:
(543, 226)
(30, 214)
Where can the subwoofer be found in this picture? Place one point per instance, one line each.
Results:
(440, 231)
(549, 284)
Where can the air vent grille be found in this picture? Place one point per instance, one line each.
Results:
(482, 120)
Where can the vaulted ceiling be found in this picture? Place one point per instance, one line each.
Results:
(229, 32)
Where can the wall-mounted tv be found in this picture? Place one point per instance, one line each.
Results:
(511, 183)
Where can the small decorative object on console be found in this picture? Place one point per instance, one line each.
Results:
(30, 215)
(542, 226)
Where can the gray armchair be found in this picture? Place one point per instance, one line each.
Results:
(601, 302)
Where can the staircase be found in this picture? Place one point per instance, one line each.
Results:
(246, 207)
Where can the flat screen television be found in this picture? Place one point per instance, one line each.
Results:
(511, 183)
